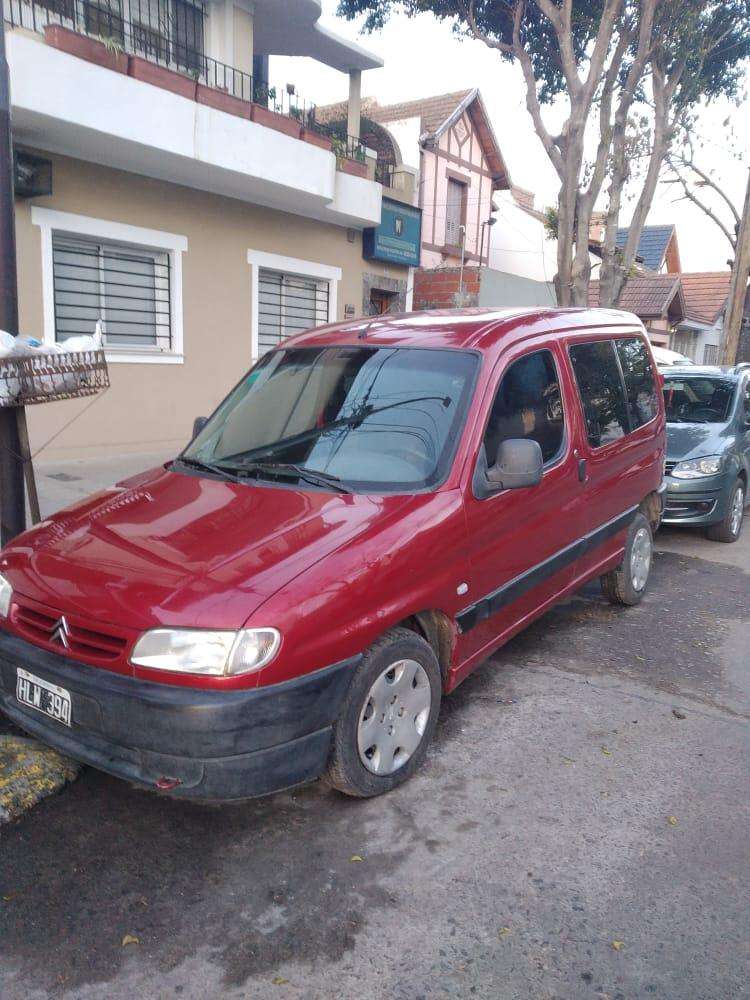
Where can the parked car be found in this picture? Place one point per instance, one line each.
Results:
(370, 513)
(666, 358)
(708, 448)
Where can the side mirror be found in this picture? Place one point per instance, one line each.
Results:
(198, 424)
(518, 465)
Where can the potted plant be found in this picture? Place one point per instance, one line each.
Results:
(344, 163)
(263, 115)
(222, 100)
(104, 52)
(160, 76)
(316, 138)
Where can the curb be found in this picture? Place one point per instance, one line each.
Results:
(29, 772)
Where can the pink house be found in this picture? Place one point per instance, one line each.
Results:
(449, 140)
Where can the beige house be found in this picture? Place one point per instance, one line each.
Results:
(166, 189)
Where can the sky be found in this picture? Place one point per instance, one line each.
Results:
(424, 57)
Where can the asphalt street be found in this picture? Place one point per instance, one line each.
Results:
(581, 829)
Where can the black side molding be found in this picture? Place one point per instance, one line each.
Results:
(522, 584)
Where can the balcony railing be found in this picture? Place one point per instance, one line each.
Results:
(170, 33)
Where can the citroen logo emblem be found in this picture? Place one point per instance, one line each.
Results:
(60, 632)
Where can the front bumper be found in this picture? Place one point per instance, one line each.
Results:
(210, 745)
(696, 501)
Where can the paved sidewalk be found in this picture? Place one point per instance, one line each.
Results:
(62, 483)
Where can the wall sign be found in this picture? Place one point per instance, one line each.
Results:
(398, 238)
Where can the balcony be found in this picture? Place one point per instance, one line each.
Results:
(166, 108)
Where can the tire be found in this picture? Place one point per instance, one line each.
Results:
(730, 528)
(365, 771)
(627, 584)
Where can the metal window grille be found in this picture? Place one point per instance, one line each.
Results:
(454, 212)
(126, 288)
(288, 304)
(711, 354)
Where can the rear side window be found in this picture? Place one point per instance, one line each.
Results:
(639, 381)
(600, 388)
(527, 405)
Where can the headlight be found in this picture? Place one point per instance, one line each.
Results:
(6, 593)
(697, 467)
(199, 651)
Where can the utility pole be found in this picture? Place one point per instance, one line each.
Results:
(12, 503)
(737, 287)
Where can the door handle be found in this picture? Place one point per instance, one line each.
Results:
(581, 466)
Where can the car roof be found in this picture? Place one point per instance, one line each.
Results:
(479, 328)
(693, 371)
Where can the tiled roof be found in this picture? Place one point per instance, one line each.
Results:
(431, 111)
(652, 246)
(705, 294)
(648, 296)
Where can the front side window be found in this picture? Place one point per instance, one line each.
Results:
(639, 381)
(600, 388)
(527, 405)
(370, 418)
(699, 399)
(125, 288)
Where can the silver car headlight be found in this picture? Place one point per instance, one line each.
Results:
(201, 651)
(695, 468)
(6, 595)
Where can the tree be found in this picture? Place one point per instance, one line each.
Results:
(629, 71)
(701, 187)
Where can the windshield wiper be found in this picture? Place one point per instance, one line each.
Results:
(353, 420)
(217, 470)
(314, 476)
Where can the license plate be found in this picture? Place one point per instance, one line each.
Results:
(49, 699)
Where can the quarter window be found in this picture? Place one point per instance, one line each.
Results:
(527, 405)
(600, 388)
(639, 381)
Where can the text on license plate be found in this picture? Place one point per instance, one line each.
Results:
(49, 699)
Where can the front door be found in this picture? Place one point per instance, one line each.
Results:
(521, 542)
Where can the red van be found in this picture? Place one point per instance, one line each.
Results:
(372, 510)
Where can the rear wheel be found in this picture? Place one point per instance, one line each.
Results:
(627, 584)
(729, 529)
(388, 716)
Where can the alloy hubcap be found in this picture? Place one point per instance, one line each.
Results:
(394, 716)
(738, 509)
(640, 559)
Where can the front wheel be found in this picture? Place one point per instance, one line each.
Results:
(388, 716)
(728, 529)
(627, 584)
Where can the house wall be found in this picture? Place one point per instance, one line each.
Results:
(151, 406)
(693, 342)
(498, 288)
(458, 154)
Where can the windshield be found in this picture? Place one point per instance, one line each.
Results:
(698, 400)
(354, 417)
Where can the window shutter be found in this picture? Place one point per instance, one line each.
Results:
(288, 304)
(127, 288)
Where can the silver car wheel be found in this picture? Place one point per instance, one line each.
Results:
(737, 513)
(640, 559)
(394, 717)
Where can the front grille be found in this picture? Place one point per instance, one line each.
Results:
(64, 634)
(668, 466)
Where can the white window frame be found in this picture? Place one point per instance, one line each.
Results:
(52, 221)
(258, 259)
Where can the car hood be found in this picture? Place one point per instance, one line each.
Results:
(685, 441)
(175, 548)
